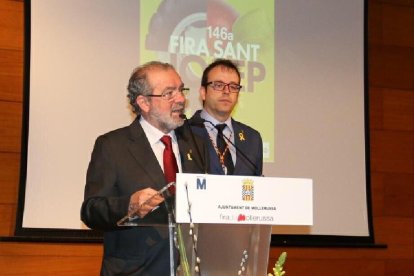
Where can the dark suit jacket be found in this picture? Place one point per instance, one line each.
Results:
(249, 146)
(123, 162)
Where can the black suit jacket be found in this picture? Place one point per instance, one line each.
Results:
(249, 146)
(123, 162)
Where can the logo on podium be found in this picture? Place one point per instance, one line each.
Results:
(248, 190)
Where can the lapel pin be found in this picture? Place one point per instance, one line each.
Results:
(241, 136)
(189, 157)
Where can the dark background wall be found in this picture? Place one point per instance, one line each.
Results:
(391, 105)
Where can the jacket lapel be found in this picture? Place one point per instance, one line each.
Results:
(140, 148)
(191, 156)
(240, 140)
(200, 130)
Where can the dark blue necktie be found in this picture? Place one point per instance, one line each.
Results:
(224, 150)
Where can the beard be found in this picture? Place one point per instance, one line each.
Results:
(167, 122)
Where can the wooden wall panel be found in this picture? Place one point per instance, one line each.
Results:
(375, 108)
(313, 253)
(11, 88)
(11, 63)
(50, 265)
(398, 195)
(405, 3)
(50, 259)
(397, 25)
(399, 267)
(391, 67)
(50, 249)
(7, 220)
(392, 151)
(397, 234)
(398, 110)
(375, 23)
(10, 126)
(9, 177)
(391, 109)
(11, 51)
(335, 267)
(377, 194)
(11, 25)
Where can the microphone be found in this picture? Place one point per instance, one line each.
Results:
(182, 116)
(200, 123)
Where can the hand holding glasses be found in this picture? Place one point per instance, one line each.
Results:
(221, 86)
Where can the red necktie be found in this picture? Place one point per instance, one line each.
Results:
(169, 161)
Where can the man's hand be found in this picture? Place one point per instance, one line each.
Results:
(144, 201)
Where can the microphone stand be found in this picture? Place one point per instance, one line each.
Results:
(202, 121)
(195, 143)
(171, 227)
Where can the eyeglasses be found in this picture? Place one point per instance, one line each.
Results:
(171, 94)
(221, 86)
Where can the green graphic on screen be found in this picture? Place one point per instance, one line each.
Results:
(190, 34)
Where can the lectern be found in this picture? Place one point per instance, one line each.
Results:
(233, 216)
(230, 219)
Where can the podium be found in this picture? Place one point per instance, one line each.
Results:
(161, 220)
(230, 249)
(230, 218)
(233, 217)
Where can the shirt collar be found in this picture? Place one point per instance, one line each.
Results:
(154, 134)
(206, 116)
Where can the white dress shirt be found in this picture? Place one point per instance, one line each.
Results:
(154, 135)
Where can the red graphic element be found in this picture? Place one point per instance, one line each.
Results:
(241, 217)
(220, 15)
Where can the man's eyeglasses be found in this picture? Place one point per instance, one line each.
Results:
(171, 94)
(221, 86)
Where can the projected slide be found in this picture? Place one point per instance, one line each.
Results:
(191, 34)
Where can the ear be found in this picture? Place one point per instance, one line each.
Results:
(202, 92)
(143, 103)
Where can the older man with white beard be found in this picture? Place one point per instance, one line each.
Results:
(127, 169)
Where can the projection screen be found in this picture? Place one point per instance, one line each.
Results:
(303, 70)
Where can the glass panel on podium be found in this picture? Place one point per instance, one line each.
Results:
(226, 249)
(161, 219)
(159, 216)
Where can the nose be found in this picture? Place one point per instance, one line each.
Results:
(226, 89)
(180, 98)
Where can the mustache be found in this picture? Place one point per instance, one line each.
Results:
(178, 107)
